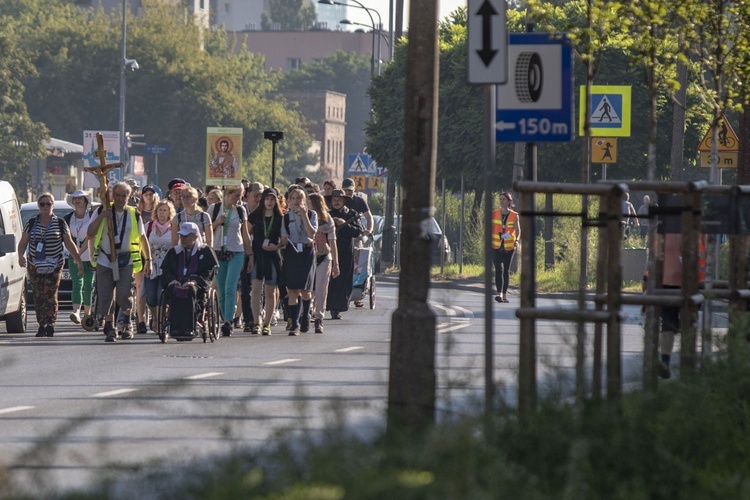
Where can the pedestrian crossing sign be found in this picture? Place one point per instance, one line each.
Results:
(610, 111)
(375, 183)
(359, 163)
(360, 182)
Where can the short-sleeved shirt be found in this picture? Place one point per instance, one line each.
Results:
(121, 233)
(326, 233)
(358, 204)
(160, 245)
(230, 228)
(78, 228)
(295, 229)
(200, 217)
(45, 250)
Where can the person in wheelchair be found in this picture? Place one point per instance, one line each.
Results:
(187, 272)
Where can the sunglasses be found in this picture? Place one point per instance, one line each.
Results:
(45, 204)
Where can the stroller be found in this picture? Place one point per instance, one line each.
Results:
(364, 279)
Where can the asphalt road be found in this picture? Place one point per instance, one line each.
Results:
(74, 408)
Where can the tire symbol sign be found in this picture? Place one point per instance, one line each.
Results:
(529, 77)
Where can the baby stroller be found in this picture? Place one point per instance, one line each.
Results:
(364, 279)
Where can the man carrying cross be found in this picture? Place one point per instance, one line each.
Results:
(132, 254)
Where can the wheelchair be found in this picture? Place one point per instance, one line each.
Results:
(210, 319)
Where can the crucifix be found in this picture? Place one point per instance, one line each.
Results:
(101, 175)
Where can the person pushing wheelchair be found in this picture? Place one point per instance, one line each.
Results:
(187, 272)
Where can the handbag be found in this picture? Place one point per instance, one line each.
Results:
(123, 260)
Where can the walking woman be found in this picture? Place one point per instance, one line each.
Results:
(326, 258)
(506, 232)
(44, 237)
(147, 203)
(82, 284)
(231, 241)
(264, 263)
(192, 213)
(159, 234)
(298, 269)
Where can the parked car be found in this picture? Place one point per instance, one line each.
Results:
(61, 209)
(12, 275)
(440, 244)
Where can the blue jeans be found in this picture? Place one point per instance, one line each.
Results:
(226, 284)
(151, 288)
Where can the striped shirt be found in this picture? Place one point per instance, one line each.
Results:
(49, 239)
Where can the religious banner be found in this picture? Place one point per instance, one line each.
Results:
(223, 156)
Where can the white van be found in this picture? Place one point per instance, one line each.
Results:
(12, 276)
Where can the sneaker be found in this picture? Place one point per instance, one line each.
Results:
(142, 327)
(294, 330)
(304, 324)
(120, 327)
(109, 329)
(267, 330)
(226, 329)
(237, 323)
(255, 330)
(249, 328)
(75, 318)
(275, 318)
(42, 332)
(664, 371)
(127, 332)
(359, 303)
(49, 330)
(318, 326)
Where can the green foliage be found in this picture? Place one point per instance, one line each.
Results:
(291, 15)
(179, 91)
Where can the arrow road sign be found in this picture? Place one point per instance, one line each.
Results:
(488, 42)
(536, 105)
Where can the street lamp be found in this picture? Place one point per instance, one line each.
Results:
(124, 63)
(273, 136)
(380, 33)
(359, 5)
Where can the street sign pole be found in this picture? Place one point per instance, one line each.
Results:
(156, 169)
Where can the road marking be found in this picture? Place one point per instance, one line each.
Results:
(203, 375)
(112, 393)
(281, 361)
(455, 324)
(13, 409)
(466, 312)
(447, 310)
(348, 349)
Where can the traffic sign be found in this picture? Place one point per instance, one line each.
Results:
(374, 183)
(728, 141)
(724, 159)
(610, 111)
(360, 182)
(488, 42)
(157, 149)
(603, 150)
(359, 163)
(536, 105)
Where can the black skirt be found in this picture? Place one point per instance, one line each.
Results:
(298, 268)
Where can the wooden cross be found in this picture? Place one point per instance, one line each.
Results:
(101, 175)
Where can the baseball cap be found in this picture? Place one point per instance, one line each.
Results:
(347, 183)
(148, 187)
(176, 180)
(187, 228)
(178, 185)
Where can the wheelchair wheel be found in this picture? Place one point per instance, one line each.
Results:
(213, 318)
(162, 317)
(372, 292)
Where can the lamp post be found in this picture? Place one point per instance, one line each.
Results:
(124, 63)
(380, 36)
(274, 137)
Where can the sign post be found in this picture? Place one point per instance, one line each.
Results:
(156, 150)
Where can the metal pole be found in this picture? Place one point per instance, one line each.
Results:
(490, 97)
(156, 170)
(442, 252)
(273, 164)
(123, 143)
(461, 231)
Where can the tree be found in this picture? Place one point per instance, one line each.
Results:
(22, 139)
(291, 15)
(178, 92)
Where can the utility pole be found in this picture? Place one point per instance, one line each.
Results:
(412, 383)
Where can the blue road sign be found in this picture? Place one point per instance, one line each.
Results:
(359, 164)
(536, 105)
(157, 149)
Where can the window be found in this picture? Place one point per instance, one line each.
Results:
(293, 63)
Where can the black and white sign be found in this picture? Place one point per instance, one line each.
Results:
(488, 42)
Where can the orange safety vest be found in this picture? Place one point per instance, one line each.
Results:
(510, 228)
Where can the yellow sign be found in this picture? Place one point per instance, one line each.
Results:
(374, 183)
(360, 181)
(610, 111)
(603, 150)
(728, 141)
(723, 160)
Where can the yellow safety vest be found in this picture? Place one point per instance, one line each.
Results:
(135, 242)
(510, 227)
